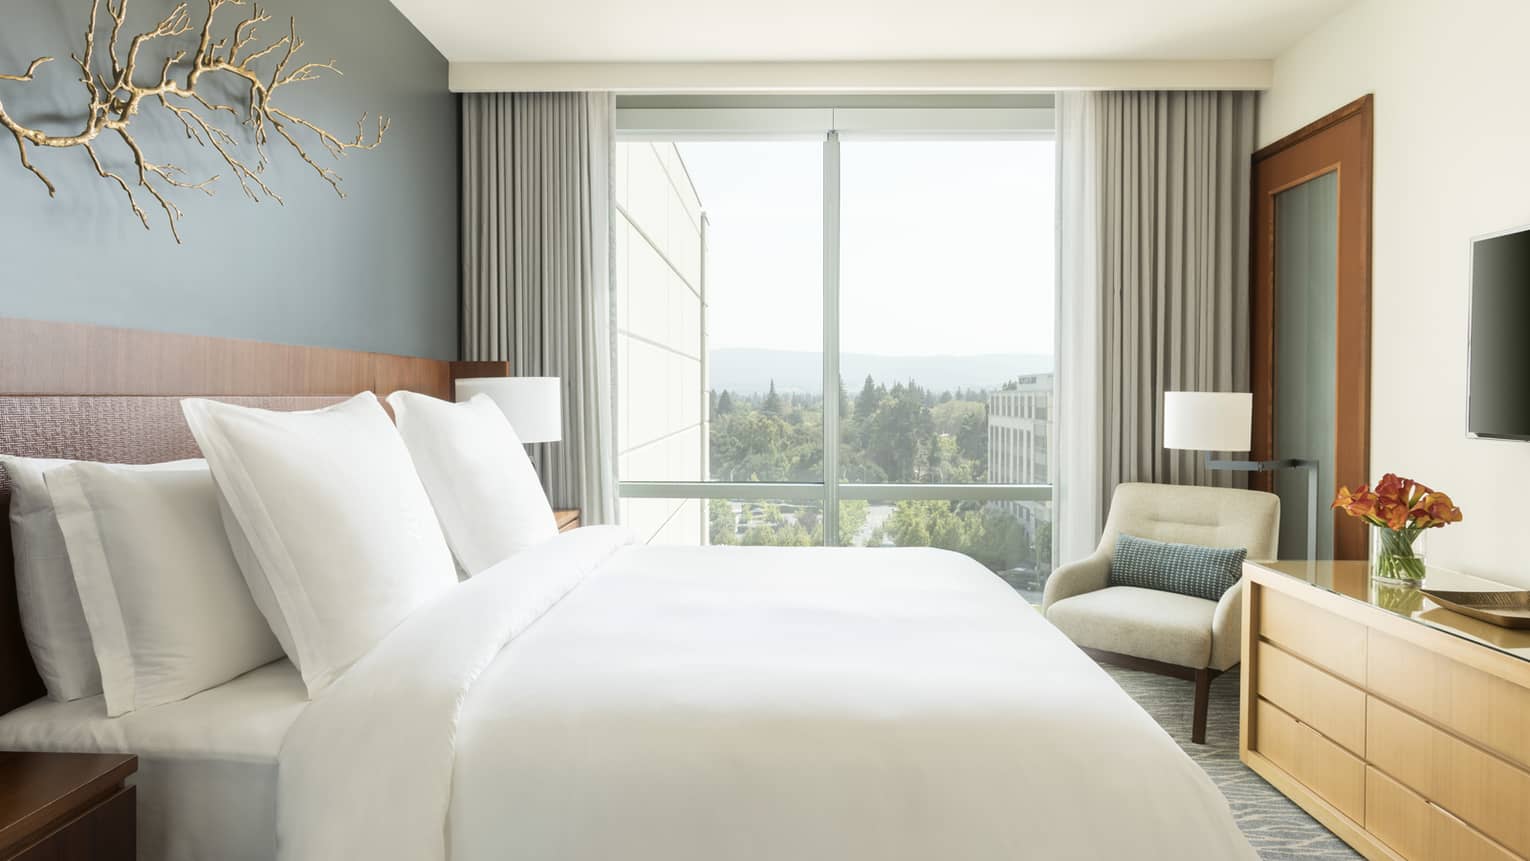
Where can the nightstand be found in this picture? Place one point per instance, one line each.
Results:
(567, 518)
(67, 806)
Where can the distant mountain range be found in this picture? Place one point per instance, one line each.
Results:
(751, 371)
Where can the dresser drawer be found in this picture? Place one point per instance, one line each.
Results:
(1333, 707)
(1322, 766)
(1477, 706)
(1328, 641)
(1450, 838)
(1482, 790)
(1420, 831)
(1397, 816)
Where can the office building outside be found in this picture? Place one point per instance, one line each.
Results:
(1020, 429)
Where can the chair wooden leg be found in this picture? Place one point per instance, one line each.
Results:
(1203, 677)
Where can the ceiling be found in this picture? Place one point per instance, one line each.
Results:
(599, 31)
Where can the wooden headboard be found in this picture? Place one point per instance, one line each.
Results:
(97, 393)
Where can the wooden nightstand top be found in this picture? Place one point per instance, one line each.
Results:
(40, 790)
(567, 518)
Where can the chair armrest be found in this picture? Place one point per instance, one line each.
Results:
(1227, 629)
(1086, 575)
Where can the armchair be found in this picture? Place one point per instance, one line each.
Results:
(1164, 632)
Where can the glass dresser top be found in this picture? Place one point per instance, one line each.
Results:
(1353, 580)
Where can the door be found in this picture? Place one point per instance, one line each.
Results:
(1312, 321)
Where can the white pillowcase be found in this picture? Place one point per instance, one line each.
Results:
(51, 616)
(330, 524)
(57, 634)
(480, 480)
(169, 612)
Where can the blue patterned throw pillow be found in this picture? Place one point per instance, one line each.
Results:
(1189, 569)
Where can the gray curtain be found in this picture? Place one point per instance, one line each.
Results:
(537, 270)
(1166, 266)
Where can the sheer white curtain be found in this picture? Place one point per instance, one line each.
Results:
(1153, 285)
(1077, 506)
(537, 269)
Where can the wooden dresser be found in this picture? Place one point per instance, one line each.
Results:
(1402, 726)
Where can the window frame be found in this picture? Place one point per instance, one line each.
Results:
(812, 120)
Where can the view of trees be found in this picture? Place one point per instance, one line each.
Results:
(905, 434)
(899, 434)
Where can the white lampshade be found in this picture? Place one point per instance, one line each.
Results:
(534, 405)
(1208, 421)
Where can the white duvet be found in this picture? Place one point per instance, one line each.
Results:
(589, 699)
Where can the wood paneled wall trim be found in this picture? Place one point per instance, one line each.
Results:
(1358, 108)
(1340, 142)
(46, 358)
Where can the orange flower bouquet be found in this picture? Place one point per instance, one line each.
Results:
(1400, 509)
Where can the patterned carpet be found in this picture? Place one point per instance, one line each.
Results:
(1279, 830)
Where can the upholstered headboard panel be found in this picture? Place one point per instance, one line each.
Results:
(95, 393)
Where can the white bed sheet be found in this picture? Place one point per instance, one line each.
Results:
(206, 764)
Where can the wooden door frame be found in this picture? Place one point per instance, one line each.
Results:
(1342, 143)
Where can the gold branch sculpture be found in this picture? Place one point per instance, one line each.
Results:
(116, 97)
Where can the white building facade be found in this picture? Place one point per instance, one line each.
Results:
(1020, 424)
(660, 338)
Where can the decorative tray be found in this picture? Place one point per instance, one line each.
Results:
(1504, 609)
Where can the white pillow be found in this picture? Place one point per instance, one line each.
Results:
(169, 612)
(480, 480)
(342, 543)
(56, 632)
(51, 618)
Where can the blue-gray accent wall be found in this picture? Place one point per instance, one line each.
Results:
(375, 271)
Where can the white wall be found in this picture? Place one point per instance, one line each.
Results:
(1451, 80)
(660, 342)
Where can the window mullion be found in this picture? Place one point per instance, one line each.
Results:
(831, 340)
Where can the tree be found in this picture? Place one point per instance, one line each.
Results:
(724, 404)
(972, 442)
(926, 523)
(895, 430)
(999, 541)
(852, 517)
(749, 446)
(1043, 544)
(812, 523)
(772, 405)
(866, 402)
(723, 522)
(784, 534)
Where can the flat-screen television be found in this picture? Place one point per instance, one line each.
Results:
(1498, 384)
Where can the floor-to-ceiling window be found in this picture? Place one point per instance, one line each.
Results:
(899, 260)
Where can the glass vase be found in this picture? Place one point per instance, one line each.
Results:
(1397, 555)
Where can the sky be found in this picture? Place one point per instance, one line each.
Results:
(947, 247)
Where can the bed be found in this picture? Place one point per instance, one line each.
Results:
(591, 698)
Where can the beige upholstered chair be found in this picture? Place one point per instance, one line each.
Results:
(1164, 632)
